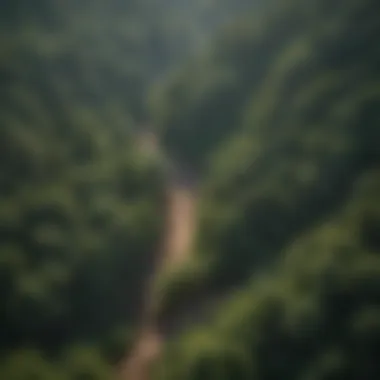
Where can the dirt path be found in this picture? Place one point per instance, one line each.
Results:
(175, 249)
(180, 226)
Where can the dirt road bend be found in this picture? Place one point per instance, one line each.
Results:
(175, 248)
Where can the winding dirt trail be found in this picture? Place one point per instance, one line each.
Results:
(174, 250)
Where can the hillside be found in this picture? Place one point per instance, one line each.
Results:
(266, 112)
(82, 207)
(281, 122)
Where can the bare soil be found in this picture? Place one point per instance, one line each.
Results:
(175, 249)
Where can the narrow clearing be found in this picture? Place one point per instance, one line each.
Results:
(175, 249)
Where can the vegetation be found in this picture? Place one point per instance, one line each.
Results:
(283, 158)
(279, 119)
(80, 206)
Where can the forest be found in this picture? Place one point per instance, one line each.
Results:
(269, 109)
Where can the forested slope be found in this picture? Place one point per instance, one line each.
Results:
(81, 207)
(281, 120)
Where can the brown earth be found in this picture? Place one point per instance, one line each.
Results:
(174, 250)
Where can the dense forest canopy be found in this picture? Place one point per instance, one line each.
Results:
(273, 106)
(81, 207)
(282, 124)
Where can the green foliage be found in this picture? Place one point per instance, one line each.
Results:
(174, 285)
(77, 363)
(281, 120)
(299, 127)
(80, 206)
(314, 317)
